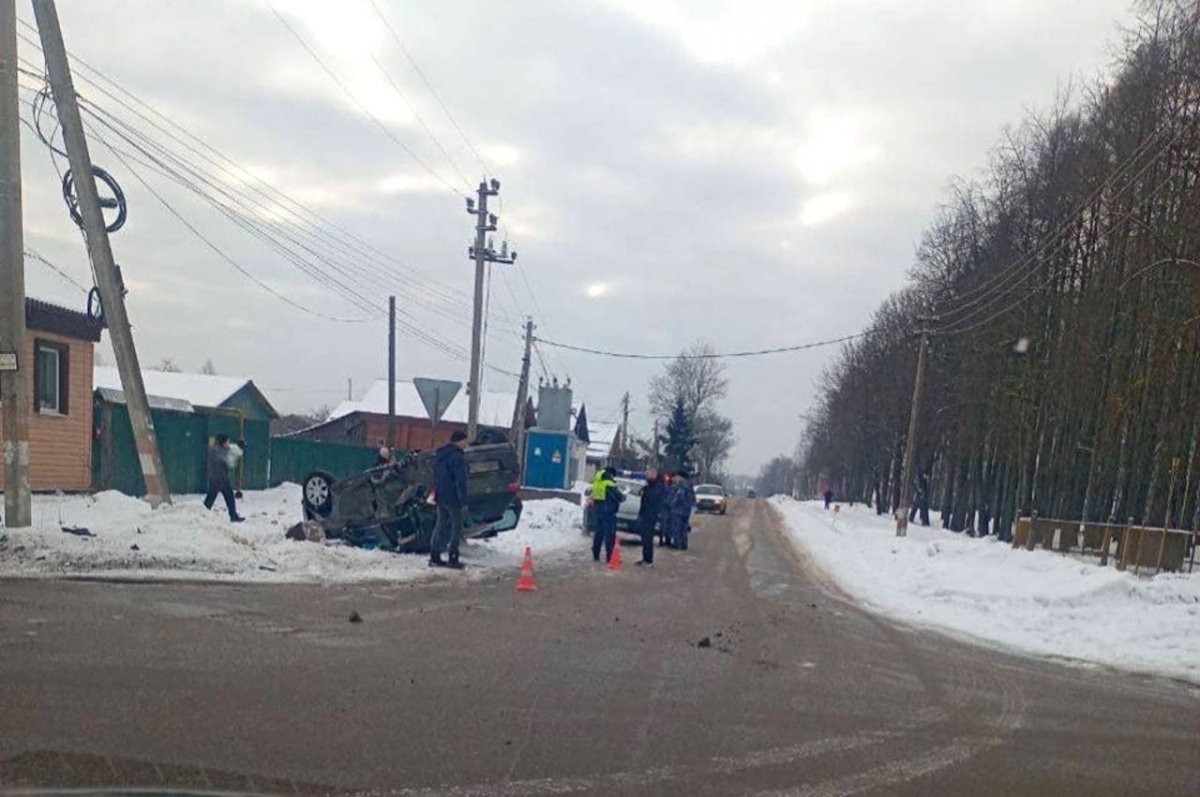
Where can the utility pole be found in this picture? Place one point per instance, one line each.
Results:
(624, 428)
(482, 253)
(910, 446)
(14, 384)
(391, 371)
(518, 420)
(108, 279)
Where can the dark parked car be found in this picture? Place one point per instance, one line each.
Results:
(388, 506)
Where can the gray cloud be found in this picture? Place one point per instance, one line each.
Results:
(675, 178)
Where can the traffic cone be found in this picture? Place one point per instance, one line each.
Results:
(614, 561)
(525, 582)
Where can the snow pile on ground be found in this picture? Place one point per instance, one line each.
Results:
(1035, 601)
(186, 541)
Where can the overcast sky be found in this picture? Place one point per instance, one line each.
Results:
(751, 173)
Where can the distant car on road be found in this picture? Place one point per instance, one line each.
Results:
(711, 498)
(388, 506)
(751, 494)
(627, 514)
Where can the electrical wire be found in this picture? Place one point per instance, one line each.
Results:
(361, 105)
(33, 255)
(707, 356)
(420, 73)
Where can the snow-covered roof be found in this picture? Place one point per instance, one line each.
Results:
(495, 409)
(198, 390)
(601, 437)
(116, 396)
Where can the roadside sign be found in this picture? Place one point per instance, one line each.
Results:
(436, 395)
(8, 361)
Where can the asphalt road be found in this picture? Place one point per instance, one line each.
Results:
(595, 685)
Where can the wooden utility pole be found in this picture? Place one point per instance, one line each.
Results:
(391, 371)
(518, 419)
(108, 281)
(14, 372)
(910, 446)
(482, 253)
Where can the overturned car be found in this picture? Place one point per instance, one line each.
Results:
(389, 507)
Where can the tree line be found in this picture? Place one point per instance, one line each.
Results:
(1062, 291)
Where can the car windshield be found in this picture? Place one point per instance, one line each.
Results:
(710, 489)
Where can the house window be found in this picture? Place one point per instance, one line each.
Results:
(50, 378)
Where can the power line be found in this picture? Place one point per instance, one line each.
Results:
(416, 68)
(33, 255)
(706, 356)
(361, 105)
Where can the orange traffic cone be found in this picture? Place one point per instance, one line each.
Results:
(614, 561)
(525, 582)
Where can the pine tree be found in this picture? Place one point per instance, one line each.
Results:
(681, 439)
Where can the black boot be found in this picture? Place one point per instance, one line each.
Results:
(454, 561)
(435, 560)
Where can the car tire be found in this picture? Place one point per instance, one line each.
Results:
(316, 494)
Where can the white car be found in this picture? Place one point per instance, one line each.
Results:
(710, 498)
(627, 514)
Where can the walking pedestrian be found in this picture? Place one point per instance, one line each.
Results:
(222, 461)
(606, 499)
(653, 496)
(450, 495)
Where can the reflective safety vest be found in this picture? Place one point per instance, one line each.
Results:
(600, 488)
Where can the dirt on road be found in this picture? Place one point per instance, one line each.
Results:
(731, 668)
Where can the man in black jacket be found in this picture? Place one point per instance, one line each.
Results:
(450, 494)
(652, 498)
(219, 480)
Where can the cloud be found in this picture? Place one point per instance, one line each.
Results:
(751, 173)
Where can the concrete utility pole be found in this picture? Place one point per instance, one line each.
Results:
(14, 384)
(482, 253)
(518, 421)
(391, 371)
(112, 300)
(910, 445)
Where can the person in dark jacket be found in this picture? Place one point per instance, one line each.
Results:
(606, 500)
(680, 502)
(450, 495)
(219, 481)
(828, 498)
(653, 495)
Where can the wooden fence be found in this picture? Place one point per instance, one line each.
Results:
(1164, 550)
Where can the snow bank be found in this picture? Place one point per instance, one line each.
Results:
(186, 541)
(1034, 601)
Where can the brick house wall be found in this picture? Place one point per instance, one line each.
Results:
(60, 442)
(368, 429)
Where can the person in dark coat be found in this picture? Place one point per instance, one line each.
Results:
(606, 501)
(921, 501)
(653, 496)
(828, 498)
(450, 495)
(664, 520)
(680, 502)
(220, 482)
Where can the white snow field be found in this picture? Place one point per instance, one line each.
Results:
(1037, 602)
(187, 542)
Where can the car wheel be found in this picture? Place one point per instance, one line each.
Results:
(317, 494)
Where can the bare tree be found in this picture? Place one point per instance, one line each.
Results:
(321, 413)
(696, 380)
(169, 365)
(208, 368)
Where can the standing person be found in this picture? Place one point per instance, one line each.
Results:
(679, 511)
(221, 462)
(384, 457)
(606, 499)
(450, 495)
(828, 498)
(664, 520)
(653, 495)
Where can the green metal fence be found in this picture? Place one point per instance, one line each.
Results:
(183, 443)
(292, 459)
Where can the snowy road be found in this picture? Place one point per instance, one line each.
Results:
(728, 669)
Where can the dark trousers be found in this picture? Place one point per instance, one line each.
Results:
(605, 534)
(448, 529)
(225, 491)
(646, 527)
